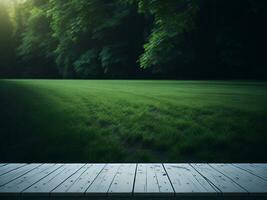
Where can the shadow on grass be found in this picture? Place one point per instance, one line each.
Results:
(34, 128)
(44, 125)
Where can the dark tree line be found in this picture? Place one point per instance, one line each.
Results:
(177, 39)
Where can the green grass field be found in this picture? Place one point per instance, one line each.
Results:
(132, 121)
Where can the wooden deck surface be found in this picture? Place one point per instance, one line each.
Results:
(133, 180)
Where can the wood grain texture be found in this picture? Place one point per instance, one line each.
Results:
(187, 181)
(20, 184)
(54, 179)
(259, 170)
(221, 182)
(134, 181)
(2, 164)
(7, 168)
(78, 183)
(246, 180)
(16, 173)
(122, 185)
(103, 181)
(152, 180)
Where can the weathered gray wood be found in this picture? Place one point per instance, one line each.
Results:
(64, 187)
(101, 184)
(259, 170)
(152, 180)
(132, 181)
(16, 173)
(54, 179)
(28, 179)
(122, 184)
(187, 181)
(77, 184)
(250, 182)
(2, 164)
(223, 183)
(10, 167)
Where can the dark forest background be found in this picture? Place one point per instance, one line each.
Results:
(165, 39)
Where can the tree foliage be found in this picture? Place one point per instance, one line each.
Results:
(134, 39)
(94, 37)
(6, 41)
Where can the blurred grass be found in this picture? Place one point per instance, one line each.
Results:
(132, 121)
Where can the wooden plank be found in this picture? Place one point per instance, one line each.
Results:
(123, 182)
(2, 164)
(248, 181)
(77, 184)
(102, 183)
(86, 179)
(16, 173)
(152, 180)
(28, 179)
(64, 187)
(187, 181)
(54, 179)
(259, 170)
(223, 183)
(7, 168)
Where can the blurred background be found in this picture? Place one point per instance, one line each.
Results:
(133, 39)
